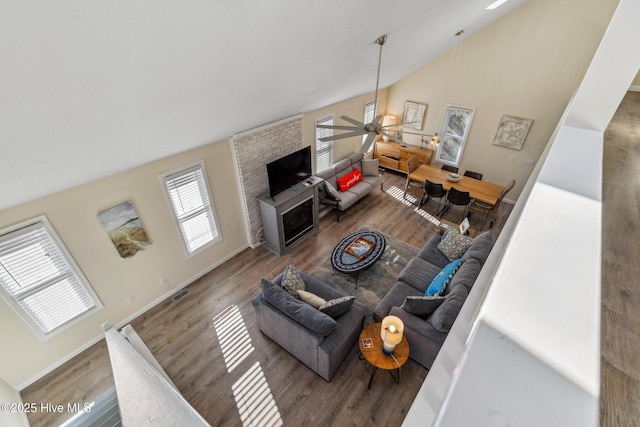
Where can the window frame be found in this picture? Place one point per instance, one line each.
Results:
(164, 178)
(367, 120)
(445, 135)
(73, 267)
(330, 143)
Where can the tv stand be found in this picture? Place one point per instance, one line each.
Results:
(290, 216)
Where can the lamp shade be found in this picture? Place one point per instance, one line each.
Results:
(391, 333)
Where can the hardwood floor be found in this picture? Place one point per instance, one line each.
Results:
(182, 335)
(620, 328)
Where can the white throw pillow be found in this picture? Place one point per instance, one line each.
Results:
(311, 298)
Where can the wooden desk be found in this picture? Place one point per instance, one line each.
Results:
(482, 191)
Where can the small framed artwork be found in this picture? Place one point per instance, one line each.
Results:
(512, 131)
(464, 226)
(413, 116)
(125, 229)
(367, 343)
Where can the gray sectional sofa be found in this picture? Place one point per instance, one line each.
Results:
(342, 201)
(426, 330)
(317, 339)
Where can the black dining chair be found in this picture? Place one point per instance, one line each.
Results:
(450, 168)
(474, 175)
(459, 198)
(432, 190)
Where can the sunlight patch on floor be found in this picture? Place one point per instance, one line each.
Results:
(411, 200)
(255, 401)
(233, 337)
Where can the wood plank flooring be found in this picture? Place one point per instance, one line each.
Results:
(620, 328)
(182, 335)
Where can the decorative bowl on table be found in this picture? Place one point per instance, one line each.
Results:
(453, 177)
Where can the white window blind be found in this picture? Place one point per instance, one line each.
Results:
(189, 197)
(369, 111)
(39, 278)
(324, 150)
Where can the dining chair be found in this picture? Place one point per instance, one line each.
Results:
(459, 198)
(450, 168)
(474, 175)
(490, 212)
(412, 164)
(432, 190)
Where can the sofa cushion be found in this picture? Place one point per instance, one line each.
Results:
(480, 248)
(338, 306)
(361, 189)
(349, 180)
(430, 252)
(297, 310)
(370, 167)
(347, 199)
(442, 319)
(394, 298)
(342, 168)
(310, 298)
(467, 274)
(454, 244)
(291, 281)
(422, 305)
(443, 278)
(419, 273)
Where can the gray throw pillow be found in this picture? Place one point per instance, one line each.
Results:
(297, 310)
(337, 307)
(331, 191)
(291, 281)
(422, 305)
(442, 319)
(453, 244)
(370, 167)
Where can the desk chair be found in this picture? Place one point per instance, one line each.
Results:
(459, 198)
(474, 175)
(432, 190)
(412, 164)
(450, 168)
(488, 211)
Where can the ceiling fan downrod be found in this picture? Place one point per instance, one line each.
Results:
(380, 41)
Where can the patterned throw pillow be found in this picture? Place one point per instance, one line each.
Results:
(454, 244)
(422, 305)
(292, 282)
(338, 306)
(349, 180)
(443, 278)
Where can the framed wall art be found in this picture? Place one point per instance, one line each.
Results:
(413, 116)
(512, 131)
(125, 229)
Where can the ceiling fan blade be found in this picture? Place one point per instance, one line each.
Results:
(336, 127)
(367, 142)
(377, 119)
(353, 121)
(341, 136)
(390, 136)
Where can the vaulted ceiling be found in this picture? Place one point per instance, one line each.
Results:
(90, 89)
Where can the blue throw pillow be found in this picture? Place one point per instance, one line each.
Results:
(442, 279)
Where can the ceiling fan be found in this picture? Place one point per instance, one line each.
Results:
(370, 129)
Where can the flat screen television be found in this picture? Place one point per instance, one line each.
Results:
(289, 170)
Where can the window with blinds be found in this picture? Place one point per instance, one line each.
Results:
(193, 211)
(40, 278)
(369, 111)
(324, 150)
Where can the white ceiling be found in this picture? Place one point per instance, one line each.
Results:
(90, 89)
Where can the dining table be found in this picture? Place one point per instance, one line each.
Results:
(482, 191)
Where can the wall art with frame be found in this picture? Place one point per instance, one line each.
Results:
(512, 131)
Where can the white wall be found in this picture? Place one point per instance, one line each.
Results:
(535, 340)
(10, 396)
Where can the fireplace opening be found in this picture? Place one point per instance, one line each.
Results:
(297, 221)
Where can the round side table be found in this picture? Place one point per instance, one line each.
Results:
(376, 356)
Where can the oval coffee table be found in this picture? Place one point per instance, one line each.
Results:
(358, 251)
(374, 354)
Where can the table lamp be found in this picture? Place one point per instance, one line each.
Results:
(391, 333)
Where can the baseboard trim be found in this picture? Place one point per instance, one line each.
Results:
(127, 320)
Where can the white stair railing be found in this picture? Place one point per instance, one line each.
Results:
(146, 395)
